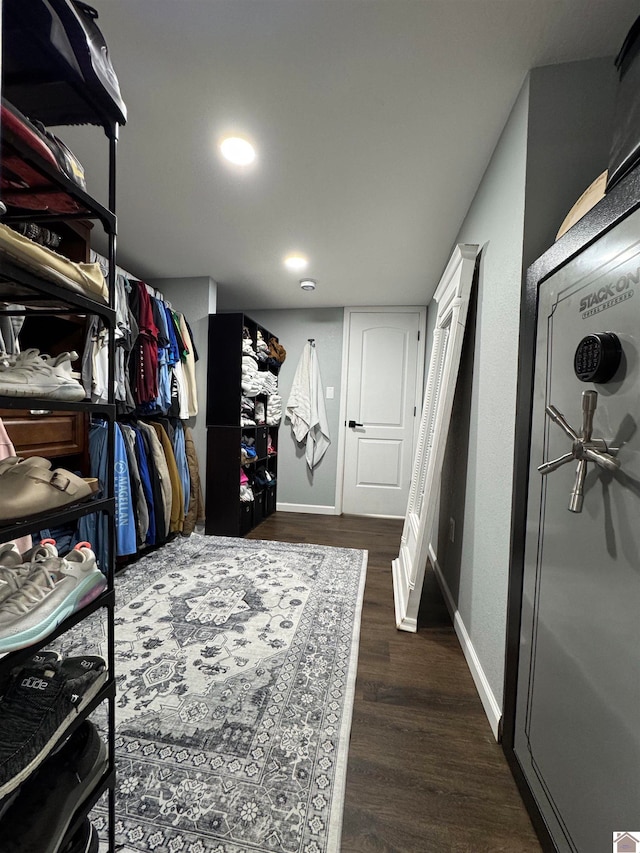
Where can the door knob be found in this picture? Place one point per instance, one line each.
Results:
(353, 424)
(584, 448)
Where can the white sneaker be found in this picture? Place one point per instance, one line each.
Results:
(62, 364)
(15, 567)
(55, 588)
(31, 375)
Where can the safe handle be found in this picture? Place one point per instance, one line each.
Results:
(584, 449)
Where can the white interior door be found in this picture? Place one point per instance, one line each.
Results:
(452, 299)
(385, 355)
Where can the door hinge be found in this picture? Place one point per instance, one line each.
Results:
(414, 411)
(418, 334)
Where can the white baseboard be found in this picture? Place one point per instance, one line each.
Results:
(489, 703)
(313, 509)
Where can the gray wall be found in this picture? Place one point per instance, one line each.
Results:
(476, 486)
(196, 299)
(571, 115)
(554, 144)
(296, 484)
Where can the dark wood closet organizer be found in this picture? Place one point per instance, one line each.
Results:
(62, 436)
(59, 429)
(226, 514)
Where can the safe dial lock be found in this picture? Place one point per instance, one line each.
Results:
(597, 357)
(584, 448)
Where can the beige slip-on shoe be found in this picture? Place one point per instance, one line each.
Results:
(37, 489)
(17, 465)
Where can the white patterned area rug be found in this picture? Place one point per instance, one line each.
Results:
(236, 665)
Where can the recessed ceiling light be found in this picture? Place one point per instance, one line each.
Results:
(295, 262)
(238, 150)
(308, 284)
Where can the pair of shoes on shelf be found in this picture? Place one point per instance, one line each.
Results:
(42, 593)
(30, 374)
(37, 709)
(29, 486)
(39, 817)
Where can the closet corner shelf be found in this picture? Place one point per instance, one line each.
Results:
(53, 518)
(18, 284)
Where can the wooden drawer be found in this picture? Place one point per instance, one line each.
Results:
(49, 434)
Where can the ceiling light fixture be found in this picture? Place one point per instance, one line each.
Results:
(296, 262)
(308, 284)
(237, 150)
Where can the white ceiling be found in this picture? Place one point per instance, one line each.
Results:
(374, 121)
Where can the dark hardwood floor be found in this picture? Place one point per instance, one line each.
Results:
(425, 773)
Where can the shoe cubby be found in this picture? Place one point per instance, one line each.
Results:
(54, 312)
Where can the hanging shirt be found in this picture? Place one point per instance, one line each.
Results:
(179, 450)
(177, 498)
(157, 457)
(189, 368)
(125, 519)
(94, 528)
(147, 484)
(144, 356)
(195, 513)
(140, 508)
(163, 400)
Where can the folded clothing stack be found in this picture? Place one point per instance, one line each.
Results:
(246, 492)
(247, 411)
(262, 348)
(251, 385)
(274, 409)
(247, 343)
(263, 477)
(247, 449)
(31, 374)
(268, 382)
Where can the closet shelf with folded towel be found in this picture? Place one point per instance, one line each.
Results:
(243, 415)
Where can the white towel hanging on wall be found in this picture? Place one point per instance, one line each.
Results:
(306, 409)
